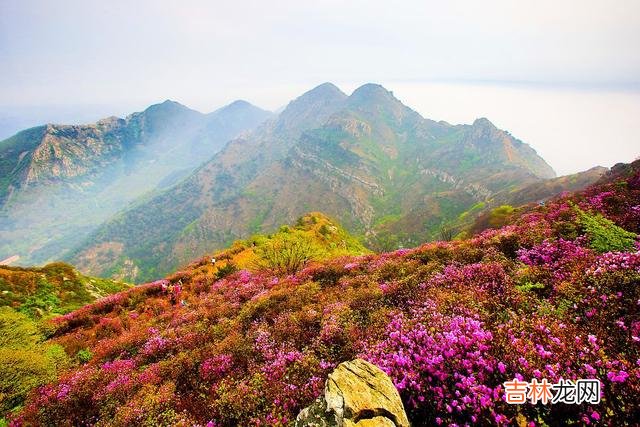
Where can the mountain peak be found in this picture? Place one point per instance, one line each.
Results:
(325, 93)
(240, 103)
(373, 99)
(312, 108)
(370, 88)
(326, 87)
(169, 103)
(167, 106)
(240, 114)
(321, 92)
(372, 92)
(239, 106)
(484, 123)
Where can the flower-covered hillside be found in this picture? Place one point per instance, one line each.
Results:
(554, 295)
(28, 296)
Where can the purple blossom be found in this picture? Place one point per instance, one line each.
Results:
(617, 377)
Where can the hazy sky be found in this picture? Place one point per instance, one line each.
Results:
(563, 76)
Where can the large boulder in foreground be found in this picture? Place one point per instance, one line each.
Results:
(356, 393)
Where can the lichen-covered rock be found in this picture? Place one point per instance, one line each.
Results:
(356, 393)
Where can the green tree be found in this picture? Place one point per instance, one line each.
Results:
(225, 270)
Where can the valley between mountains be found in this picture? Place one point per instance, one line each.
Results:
(59, 182)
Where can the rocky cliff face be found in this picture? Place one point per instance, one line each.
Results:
(58, 182)
(67, 152)
(356, 393)
(56, 153)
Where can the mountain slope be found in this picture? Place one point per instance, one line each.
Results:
(548, 296)
(365, 159)
(313, 238)
(513, 201)
(156, 224)
(59, 182)
(57, 288)
(28, 298)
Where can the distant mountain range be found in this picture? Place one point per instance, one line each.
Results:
(135, 198)
(389, 175)
(59, 182)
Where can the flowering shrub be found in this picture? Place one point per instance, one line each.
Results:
(450, 322)
(556, 260)
(616, 261)
(216, 367)
(444, 371)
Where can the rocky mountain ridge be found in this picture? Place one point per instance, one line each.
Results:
(97, 169)
(366, 159)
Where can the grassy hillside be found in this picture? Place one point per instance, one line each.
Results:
(510, 203)
(51, 290)
(553, 294)
(313, 238)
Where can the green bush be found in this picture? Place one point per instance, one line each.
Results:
(227, 269)
(43, 302)
(84, 356)
(324, 230)
(287, 254)
(603, 234)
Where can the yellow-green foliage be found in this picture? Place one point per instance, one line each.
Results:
(26, 361)
(287, 254)
(500, 216)
(56, 288)
(314, 237)
(604, 235)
